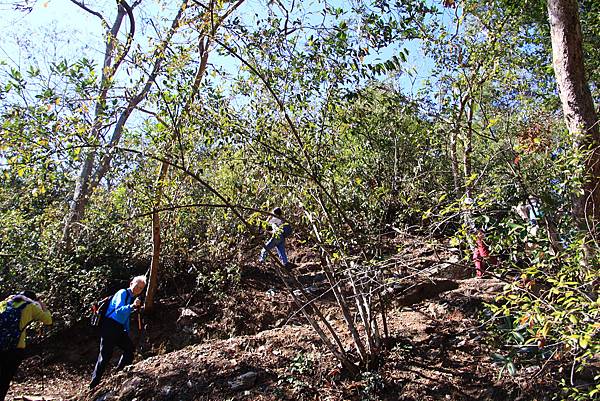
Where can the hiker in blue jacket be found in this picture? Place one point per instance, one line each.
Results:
(114, 328)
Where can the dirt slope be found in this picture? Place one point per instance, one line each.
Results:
(436, 353)
(436, 349)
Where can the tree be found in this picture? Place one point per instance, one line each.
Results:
(578, 109)
(480, 86)
(95, 164)
(209, 22)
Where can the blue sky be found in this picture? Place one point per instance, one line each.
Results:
(34, 29)
(80, 33)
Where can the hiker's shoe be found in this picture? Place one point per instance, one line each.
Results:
(290, 265)
(312, 289)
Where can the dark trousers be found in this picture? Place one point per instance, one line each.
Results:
(9, 363)
(112, 333)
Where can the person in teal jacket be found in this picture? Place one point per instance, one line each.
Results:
(30, 309)
(114, 328)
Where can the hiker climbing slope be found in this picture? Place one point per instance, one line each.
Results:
(114, 328)
(16, 313)
(280, 230)
(481, 255)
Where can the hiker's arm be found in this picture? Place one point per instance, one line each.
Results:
(122, 310)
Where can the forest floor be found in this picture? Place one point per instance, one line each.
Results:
(254, 344)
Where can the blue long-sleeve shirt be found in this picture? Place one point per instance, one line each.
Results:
(120, 307)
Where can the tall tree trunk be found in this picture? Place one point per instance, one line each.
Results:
(453, 145)
(82, 185)
(578, 108)
(203, 51)
(395, 179)
(468, 150)
(466, 162)
(204, 44)
(77, 205)
(92, 172)
(156, 238)
(454, 160)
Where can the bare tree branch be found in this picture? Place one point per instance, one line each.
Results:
(158, 56)
(82, 5)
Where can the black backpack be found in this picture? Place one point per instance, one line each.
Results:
(10, 319)
(99, 309)
(287, 229)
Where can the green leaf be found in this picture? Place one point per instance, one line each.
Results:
(511, 368)
(519, 337)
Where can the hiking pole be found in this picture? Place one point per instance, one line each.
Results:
(40, 335)
(42, 370)
(140, 326)
(140, 331)
(139, 312)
